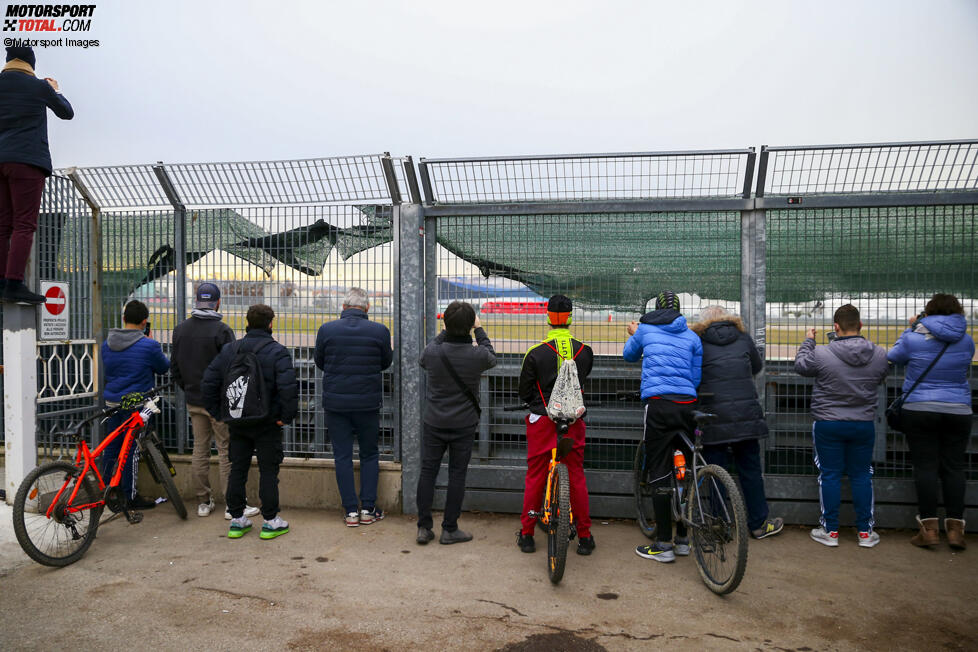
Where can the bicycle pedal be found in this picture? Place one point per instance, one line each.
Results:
(133, 517)
(534, 514)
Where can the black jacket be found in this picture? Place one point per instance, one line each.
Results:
(730, 361)
(446, 406)
(276, 368)
(24, 104)
(352, 351)
(540, 367)
(196, 342)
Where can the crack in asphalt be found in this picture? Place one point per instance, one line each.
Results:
(506, 607)
(235, 596)
(505, 618)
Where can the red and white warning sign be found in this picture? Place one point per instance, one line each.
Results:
(54, 312)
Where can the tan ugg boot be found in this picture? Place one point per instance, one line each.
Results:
(955, 533)
(929, 534)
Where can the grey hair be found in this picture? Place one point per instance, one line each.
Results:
(714, 313)
(356, 298)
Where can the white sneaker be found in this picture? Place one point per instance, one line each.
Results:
(353, 519)
(205, 509)
(830, 539)
(249, 511)
(868, 539)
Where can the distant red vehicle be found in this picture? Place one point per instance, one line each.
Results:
(514, 308)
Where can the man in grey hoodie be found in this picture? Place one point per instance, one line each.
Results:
(847, 373)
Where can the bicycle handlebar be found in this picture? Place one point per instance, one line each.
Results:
(74, 430)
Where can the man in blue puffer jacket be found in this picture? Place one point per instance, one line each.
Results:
(672, 361)
(131, 360)
(352, 351)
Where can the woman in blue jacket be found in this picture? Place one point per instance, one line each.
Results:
(937, 414)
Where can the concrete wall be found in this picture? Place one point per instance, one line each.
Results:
(302, 483)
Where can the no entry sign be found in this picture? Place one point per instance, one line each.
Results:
(54, 312)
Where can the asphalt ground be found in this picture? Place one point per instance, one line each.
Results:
(167, 584)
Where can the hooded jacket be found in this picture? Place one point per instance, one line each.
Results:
(730, 362)
(24, 104)
(947, 382)
(847, 373)
(130, 360)
(277, 371)
(538, 373)
(196, 342)
(671, 354)
(352, 351)
(446, 405)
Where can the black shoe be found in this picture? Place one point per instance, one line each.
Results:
(424, 536)
(525, 542)
(141, 502)
(585, 545)
(455, 536)
(17, 292)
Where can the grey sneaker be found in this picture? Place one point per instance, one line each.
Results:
(458, 536)
(868, 539)
(424, 536)
(205, 509)
(249, 511)
(768, 528)
(830, 539)
(658, 551)
(239, 527)
(353, 519)
(681, 547)
(274, 528)
(371, 516)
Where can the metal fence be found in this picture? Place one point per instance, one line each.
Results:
(881, 226)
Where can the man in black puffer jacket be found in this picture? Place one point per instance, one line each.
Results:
(352, 352)
(263, 439)
(730, 362)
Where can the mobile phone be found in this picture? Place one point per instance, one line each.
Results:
(146, 329)
(830, 335)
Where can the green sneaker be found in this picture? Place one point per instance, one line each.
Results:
(239, 528)
(274, 528)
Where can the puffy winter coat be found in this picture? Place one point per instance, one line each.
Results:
(947, 382)
(671, 354)
(730, 362)
(352, 351)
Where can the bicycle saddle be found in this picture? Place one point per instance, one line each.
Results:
(702, 418)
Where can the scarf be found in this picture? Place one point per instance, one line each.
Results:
(20, 66)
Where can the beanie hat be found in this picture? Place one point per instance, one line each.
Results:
(208, 295)
(667, 299)
(559, 310)
(22, 53)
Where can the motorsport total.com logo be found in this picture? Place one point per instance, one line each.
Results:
(48, 18)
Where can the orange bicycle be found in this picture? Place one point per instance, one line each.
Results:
(58, 506)
(555, 516)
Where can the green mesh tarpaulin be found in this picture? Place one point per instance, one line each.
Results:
(605, 260)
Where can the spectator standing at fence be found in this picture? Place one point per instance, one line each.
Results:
(671, 356)
(538, 375)
(131, 360)
(196, 342)
(352, 353)
(451, 415)
(25, 163)
(847, 373)
(255, 427)
(730, 362)
(937, 414)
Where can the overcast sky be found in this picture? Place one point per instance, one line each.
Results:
(183, 81)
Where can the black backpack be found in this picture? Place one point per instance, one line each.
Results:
(244, 397)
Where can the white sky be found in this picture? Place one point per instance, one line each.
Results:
(183, 81)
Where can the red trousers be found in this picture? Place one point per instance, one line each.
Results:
(541, 438)
(21, 187)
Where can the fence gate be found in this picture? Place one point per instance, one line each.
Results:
(608, 230)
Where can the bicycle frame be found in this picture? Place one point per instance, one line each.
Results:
(130, 426)
(544, 517)
(698, 462)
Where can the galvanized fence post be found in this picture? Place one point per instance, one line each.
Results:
(180, 299)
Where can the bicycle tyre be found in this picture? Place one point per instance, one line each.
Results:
(559, 534)
(25, 534)
(644, 509)
(162, 475)
(715, 509)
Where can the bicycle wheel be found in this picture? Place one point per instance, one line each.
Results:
(161, 472)
(559, 517)
(63, 538)
(643, 491)
(716, 513)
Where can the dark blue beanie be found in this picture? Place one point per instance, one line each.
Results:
(22, 53)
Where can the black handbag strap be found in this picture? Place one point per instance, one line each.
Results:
(461, 385)
(926, 371)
